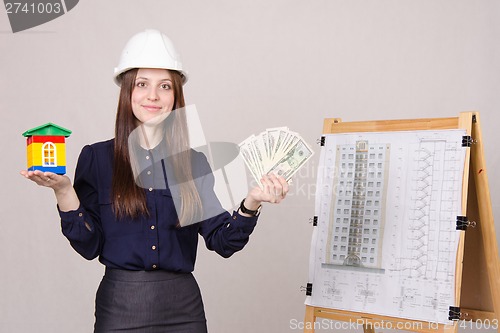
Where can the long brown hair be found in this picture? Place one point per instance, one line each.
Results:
(129, 200)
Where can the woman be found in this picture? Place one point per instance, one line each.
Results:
(147, 245)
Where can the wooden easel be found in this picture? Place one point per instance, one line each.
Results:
(478, 280)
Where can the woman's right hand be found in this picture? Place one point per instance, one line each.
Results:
(65, 194)
(48, 179)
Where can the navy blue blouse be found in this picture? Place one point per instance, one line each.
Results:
(146, 243)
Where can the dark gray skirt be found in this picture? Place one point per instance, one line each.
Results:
(153, 302)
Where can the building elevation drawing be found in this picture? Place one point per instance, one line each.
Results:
(386, 206)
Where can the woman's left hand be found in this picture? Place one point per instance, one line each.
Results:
(274, 190)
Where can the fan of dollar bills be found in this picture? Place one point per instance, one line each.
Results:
(275, 150)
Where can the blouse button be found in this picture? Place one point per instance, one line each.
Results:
(150, 189)
(147, 157)
(153, 247)
(149, 172)
(154, 266)
(80, 214)
(152, 227)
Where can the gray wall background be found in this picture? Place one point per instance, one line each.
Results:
(252, 65)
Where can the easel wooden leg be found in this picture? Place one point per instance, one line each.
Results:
(486, 216)
(368, 328)
(309, 320)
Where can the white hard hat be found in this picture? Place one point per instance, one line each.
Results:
(149, 49)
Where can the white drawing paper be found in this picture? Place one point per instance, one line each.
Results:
(386, 241)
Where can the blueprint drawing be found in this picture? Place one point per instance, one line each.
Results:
(386, 241)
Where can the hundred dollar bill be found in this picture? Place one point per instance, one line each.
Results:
(260, 155)
(291, 162)
(290, 140)
(276, 150)
(248, 154)
(276, 136)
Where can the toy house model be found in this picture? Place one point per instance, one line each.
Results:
(46, 148)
